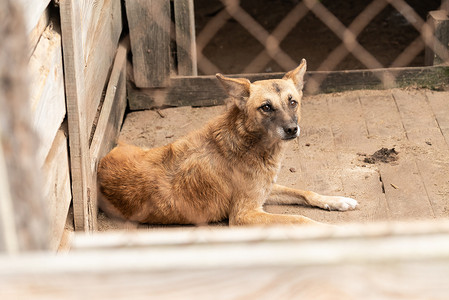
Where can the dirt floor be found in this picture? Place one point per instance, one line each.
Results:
(233, 47)
(345, 148)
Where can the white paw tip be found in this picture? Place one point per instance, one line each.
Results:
(347, 203)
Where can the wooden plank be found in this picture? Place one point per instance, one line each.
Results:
(56, 187)
(149, 27)
(185, 37)
(85, 212)
(386, 262)
(9, 240)
(35, 34)
(206, 91)
(418, 118)
(24, 221)
(47, 90)
(439, 103)
(98, 63)
(112, 112)
(32, 12)
(404, 189)
(439, 23)
(90, 11)
(425, 134)
(87, 26)
(351, 137)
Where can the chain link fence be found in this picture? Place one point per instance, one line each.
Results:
(273, 39)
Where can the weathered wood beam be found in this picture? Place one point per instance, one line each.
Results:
(112, 111)
(185, 37)
(149, 28)
(24, 222)
(206, 90)
(84, 211)
(407, 260)
(86, 74)
(439, 22)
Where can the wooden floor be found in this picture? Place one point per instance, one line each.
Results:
(338, 131)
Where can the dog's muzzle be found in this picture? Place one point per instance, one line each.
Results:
(291, 132)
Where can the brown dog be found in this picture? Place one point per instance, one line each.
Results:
(228, 169)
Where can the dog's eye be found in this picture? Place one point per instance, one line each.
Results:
(266, 108)
(292, 103)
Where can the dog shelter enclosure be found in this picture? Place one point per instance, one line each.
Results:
(385, 143)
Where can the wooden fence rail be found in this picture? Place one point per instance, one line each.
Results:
(376, 261)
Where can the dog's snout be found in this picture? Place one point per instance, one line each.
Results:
(291, 130)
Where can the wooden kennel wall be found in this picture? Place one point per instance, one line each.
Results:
(77, 71)
(91, 31)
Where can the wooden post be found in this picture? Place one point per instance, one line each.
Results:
(445, 5)
(83, 207)
(185, 37)
(23, 214)
(149, 27)
(439, 22)
(90, 34)
(206, 90)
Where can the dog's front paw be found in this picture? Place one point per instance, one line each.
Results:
(339, 203)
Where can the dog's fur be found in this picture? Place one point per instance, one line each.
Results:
(228, 169)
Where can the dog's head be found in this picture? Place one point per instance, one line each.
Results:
(273, 107)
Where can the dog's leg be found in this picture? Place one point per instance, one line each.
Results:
(259, 217)
(284, 195)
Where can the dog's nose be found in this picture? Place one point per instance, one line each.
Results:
(292, 130)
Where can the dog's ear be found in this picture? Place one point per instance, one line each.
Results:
(237, 88)
(297, 75)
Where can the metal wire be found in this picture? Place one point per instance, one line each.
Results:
(348, 36)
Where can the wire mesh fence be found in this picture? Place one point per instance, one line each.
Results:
(348, 34)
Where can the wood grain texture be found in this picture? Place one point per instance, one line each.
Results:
(379, 261)
(439, 102)
(424, 133)
(206, 91)
(91, 30)
(56, 187)
(351, 137)
(9, 239)
(47, 90)
(112, 112)
(402, 183)
(185, 37)
(24, 222)
(36, 32)
(32, 12)
(84, 211)
(104, 36)
(149, 27)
